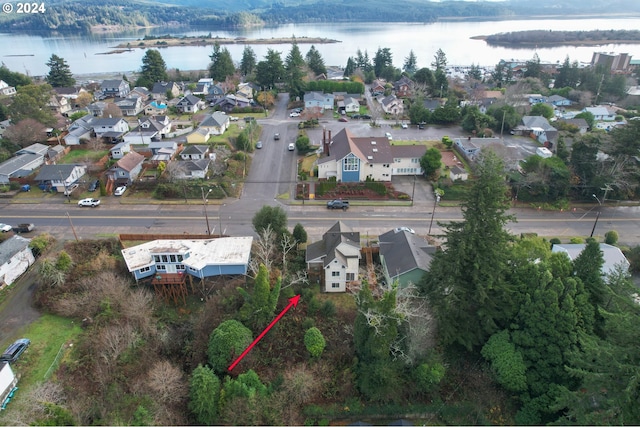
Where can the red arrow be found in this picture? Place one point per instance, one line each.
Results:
(293, 302)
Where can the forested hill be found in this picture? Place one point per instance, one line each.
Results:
(81, 16)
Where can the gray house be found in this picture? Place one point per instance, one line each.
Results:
(19, 166)
(60, 178)
(115, 88)
(405, 257)
(194, 152)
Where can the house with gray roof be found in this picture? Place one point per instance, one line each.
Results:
(131, 106)
(59, 177)
(334, 260)
(324, 101)
(159, 90)
(119, 150)
(79, 131)
(36, 148)
(558, 101)
(192, 169)
(392, 105)
(216, 123)
(19, 166)
(15, 258)
(190, 104)
(405, 257)
(108, 127)
(537, 127)
(194, 152)
(199, 258)
(581, 124)
(612, 255)
(115, 88)
(601, 113)
(354, 159)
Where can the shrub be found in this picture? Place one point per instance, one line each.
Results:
(611, 237)
(428, 376)
(378, 187)
(328, 309)
(555, 241)
(314, 342)
(228, 340)
(577, 240)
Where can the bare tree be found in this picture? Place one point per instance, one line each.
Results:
(114, 339)
(166, 382)
(84, 99)
(287, 244)
(95, 144)
(111, 110)
(264, 249)
(26, 132)
(175, 170)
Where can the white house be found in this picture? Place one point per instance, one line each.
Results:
(601, 113)
(200, 258)
(190, 104)
(458, 173)
(335, 258)
(319, 100)
(392, 105)
(6, 90)
(119, 150)
(15, 259)
(108, 127)
(8, 381)
(60, 177)
(354, 159)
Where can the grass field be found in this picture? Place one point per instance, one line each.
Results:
(79, 156)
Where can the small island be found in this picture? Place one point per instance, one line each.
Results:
(539, 38)
(168, 41)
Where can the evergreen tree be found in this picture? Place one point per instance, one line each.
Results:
(410, 63)
(350, 68)
(441, 84)
(154, 69)
(533, 67)
(227, 342)
(248, 61)
(466, 284)
(221, 65)
(430, 162)
(12, 78)
(299, 233)
(59, 72)
(204, 392)
(260, 303)
(315, 62)
(270, 215)
(382, 60)
(294, 66)
(475, 72)
(439, 60)
(270, 71)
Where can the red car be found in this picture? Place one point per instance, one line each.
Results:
(343, 119)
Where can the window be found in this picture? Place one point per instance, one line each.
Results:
(161, 267)
(172, 258)
(335, 285)
(351, 276)
(179, 257)
(415, 160)
(164, 258)
(397, 160)
(156, 258)
(350, 163)
(144, 269)
(335, 274)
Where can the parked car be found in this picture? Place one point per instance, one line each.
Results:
(259, 144)
(249, 119)
(23, 228)
(388, 135)
(355, 116)
(338, 204)
(233, 118)
(94, 185)
(404, 126)
(276, 136)
(120, 190)
(343, 119)
(13, 352)
(421, 125)
(365, 117)
(407, 229)
(294, 114)
(292, 146)
(89, 202)
(5, 228)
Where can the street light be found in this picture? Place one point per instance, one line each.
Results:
(597, 216)
(204, 204)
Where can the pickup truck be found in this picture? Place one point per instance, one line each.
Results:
(338, 204)
(23, 228)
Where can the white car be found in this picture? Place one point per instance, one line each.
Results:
(233, 118)
(388, 135)
(407, 229)
(259, 144)
(120, 190)
(294, 114)
(89, 202)
(292, 146)
(404, 126)
(5, 228)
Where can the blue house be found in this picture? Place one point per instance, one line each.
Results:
(321, 100)
(198, 258)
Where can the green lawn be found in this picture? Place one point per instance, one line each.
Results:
(78, 156)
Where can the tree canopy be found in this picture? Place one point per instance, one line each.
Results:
(59, 72)
(154, 69)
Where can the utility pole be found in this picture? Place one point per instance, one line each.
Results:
(433, 212)
(204, 204)
(597, 216)
(413, 191)
(72, 228)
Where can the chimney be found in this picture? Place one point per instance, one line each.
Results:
(325, 143)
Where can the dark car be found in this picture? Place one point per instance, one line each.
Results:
(355, 116)
(365, 117)
(94, 185)
(13, 352)
(338, 204)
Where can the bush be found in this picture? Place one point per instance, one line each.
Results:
(555, 241)
(228, 340)
(328, 309)
(314, 342)
(428, 376)
(324, 187)
(611, 237)
(577, 240)
(378, 187)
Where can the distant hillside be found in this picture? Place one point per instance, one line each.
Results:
(81, 16)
